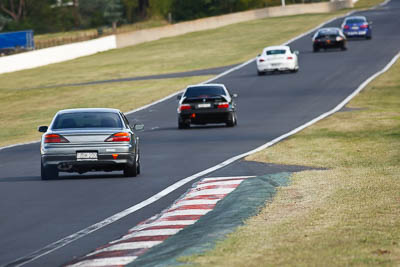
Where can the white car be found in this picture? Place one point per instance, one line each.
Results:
(277, 58)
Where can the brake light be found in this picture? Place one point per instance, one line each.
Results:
(119, 137)
(364, 26)
(346, 27)
(261, 60)
(223, 105)
(54, 138)
(289, 57)
(184, 107)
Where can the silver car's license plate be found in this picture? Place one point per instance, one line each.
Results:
(205, 105)
(80, 156)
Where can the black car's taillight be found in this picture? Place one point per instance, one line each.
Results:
(223, 105)
(185, 107)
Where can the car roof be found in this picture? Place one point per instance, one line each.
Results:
(356, 17)
(206, 85)
(79, 110)
(329, 29)
(276, 47)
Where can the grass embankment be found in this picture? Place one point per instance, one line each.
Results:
(23, 108)
(347, 215)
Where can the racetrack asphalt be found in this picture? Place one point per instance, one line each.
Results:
(204, 72)
(36, 213)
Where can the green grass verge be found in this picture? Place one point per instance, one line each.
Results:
(22, 107)
(213, 48)
(348, 215)
(22, 111)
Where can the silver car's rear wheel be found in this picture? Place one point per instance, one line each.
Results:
(134, 170)
(131, 171)
(49, 172)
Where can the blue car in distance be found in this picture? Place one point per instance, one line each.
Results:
(357, 26)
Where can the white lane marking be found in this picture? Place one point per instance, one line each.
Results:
(184, 213)
(20, 144)
(105, 262)
(205, 180)
(158, 232)
(127, 246)
(162, 223)
(220, 183)
(84, 232)
(382, 4)
(194, 202)
(207, 192)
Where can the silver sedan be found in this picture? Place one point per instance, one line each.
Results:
(84, 140)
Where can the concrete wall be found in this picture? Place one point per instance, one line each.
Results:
(62, 53)
(137, 37)
(55, 54)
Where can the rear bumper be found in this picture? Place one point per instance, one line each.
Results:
(205, 116)
(357, 33)
(329, 45)
(264, 67)
(105, 162)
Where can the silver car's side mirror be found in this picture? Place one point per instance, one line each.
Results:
(43, 129)
(138, 127)
(235, 95)
(296, 53)
(178, 97)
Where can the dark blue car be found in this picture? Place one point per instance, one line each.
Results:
(357, 26)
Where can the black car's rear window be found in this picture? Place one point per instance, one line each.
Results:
(199, 91)
(327, 35)
(354, 21)
(331, 33)
(87, 120)
(276, 52)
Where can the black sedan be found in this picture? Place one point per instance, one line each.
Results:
(206, 103)
(329, 38)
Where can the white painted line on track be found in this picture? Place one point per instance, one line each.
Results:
(149, 233)
(194, 202)
(162, 223)
(207, 192)
(220, 183)
(127, 246)
(73, 237)
(185, 213)
(238, 178)
(105, 262)
(161, 232)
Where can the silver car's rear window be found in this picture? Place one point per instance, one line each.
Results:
(87, 120)
(276, 52)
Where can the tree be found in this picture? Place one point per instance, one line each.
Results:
(14, 8)
(143, 6)
(75, 12)
(130, 7)
(113, 12)
(3, 21)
